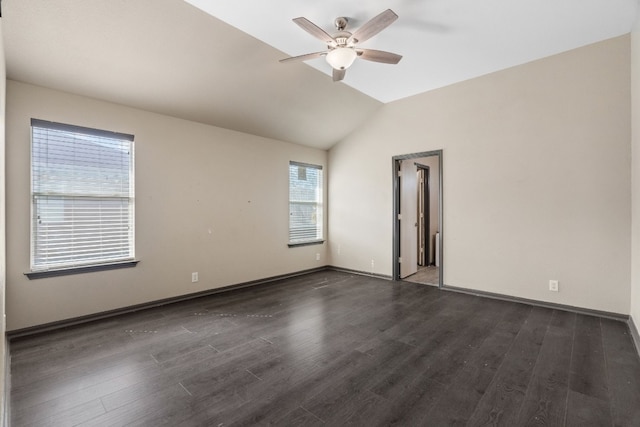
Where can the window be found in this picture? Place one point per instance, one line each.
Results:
(305, 204)
(81, 196)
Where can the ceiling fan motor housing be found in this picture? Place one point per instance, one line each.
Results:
(341, 39)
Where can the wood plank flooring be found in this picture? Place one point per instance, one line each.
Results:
(331, 348)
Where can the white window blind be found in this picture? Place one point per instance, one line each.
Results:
(305, 203)
(82, 196)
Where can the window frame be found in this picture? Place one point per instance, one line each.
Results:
(38, 270)
(319, 204)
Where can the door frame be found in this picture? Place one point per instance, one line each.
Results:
(426, 206)
(395, 163)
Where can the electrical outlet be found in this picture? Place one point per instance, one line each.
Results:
(317, 257)
(554, 285)
(194, 277)
(373, 264)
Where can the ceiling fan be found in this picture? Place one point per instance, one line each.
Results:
(342, 47)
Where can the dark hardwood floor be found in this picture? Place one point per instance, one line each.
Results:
(331, 348)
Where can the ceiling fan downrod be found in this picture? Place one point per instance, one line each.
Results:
(341, 23)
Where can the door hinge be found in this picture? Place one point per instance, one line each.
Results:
(400, 260)
(399, 174)
(399, 217)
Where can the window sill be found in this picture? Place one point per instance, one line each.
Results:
(80, 270)
(309, 243)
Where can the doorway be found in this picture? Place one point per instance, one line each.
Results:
(417, 218)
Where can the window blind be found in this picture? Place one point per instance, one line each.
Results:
(305, 203)
(82, 196)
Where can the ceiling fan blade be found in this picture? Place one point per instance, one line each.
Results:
(373, 26)
(379, 56)
(315, 31)
(338, 75)
(304, 57)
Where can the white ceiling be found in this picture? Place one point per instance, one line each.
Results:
(169, 57)
(442, 41)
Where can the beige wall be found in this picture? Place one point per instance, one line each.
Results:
(635, 111)
(207, 199)
(536, 163)
(3, 350)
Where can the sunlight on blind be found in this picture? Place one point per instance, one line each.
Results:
(305, 203)
(82, 196)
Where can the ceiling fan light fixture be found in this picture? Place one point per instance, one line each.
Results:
(341, 47)
(341, 58)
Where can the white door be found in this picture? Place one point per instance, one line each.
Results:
(408, 218)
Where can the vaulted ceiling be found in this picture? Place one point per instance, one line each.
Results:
(216, 61)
